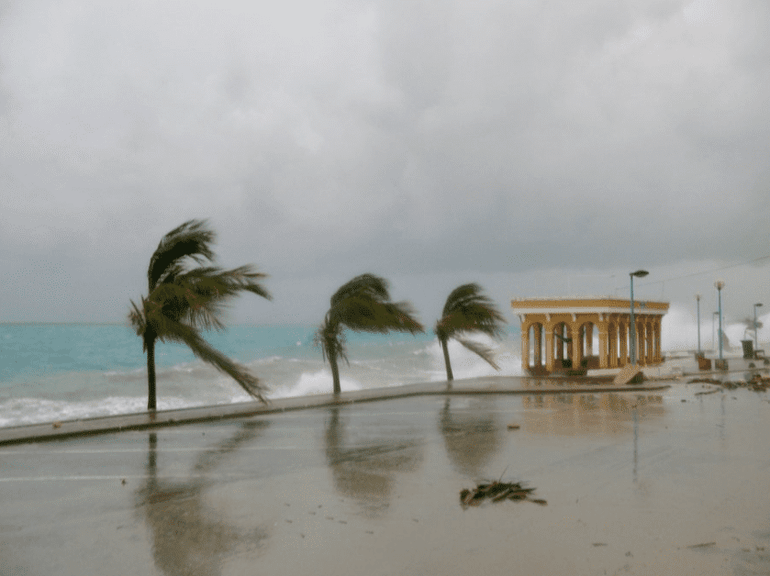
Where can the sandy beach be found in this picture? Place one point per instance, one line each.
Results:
(669, 481)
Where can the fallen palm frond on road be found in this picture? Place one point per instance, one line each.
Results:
(497, 492)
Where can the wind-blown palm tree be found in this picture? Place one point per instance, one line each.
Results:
(182, 300)
(362, 305)
(466, 311)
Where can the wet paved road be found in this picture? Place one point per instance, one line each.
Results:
(636, 483)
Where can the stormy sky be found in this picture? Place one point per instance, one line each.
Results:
(538, 147)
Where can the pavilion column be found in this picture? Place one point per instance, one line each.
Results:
(612, 345)
(538, 338)
(658, 355)
(614, 351)
(576, 347)
(525, 346)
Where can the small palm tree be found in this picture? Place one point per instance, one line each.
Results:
(467, 310)
(362, 305)
(182, 300)
(748, 322)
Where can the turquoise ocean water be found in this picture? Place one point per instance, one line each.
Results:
(52, 372)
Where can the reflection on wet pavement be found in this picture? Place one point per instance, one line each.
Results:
(596, 414)
(188, 537)
(636, 483)
(364, 468)
(471, 436)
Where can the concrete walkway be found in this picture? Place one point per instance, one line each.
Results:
(471, 386)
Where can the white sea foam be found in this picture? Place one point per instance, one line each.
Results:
(679, 331)
(21, 411)
(309, 384)
(466, 364)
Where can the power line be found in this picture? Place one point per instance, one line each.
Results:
(711, 271)
(714, 270)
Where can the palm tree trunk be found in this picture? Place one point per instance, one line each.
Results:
(445, 348)
(150, 340)
(335, 373)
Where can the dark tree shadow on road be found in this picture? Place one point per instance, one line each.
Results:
(471, 438)
(188, 537)
(365, 468)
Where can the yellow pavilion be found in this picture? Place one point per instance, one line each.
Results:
(557, 334)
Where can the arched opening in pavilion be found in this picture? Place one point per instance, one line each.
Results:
(562, 345)
(586, 333)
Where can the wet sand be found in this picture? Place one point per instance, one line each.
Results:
(651, 482)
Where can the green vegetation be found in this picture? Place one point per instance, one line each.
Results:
(182, 300)
(362, 305)
(468, 311)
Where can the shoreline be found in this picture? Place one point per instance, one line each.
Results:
(676, 368)
(486, 385)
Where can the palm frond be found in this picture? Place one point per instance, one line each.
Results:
(363, 305)
(184, 334)
(190, 240)
(331, 339)
(485, 352)
(362, 314)
(468, 310)
(207, 291)
(461, 295)
(138, 320)
(215, 282)
(365, 286)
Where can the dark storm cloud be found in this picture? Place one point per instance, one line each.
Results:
(407, 138)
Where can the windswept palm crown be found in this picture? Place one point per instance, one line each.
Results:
(466, 311)
(182, 300)
(362, 305)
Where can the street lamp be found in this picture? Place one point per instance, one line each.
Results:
(697, 300)
(756, 343)
(713, 339)
(719, 284)
(638, 274)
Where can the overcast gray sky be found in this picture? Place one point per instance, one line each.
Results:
(539, 147)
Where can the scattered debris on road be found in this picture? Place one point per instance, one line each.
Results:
(756, 382)
(497, 492)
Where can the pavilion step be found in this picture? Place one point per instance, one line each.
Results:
(629, 374)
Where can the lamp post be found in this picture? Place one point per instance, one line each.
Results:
(756, 342)
(638, 274)
(713, 339)
(719, 284)
(697, 300)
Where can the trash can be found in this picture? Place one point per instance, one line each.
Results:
(748, 349)
(703, 362)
